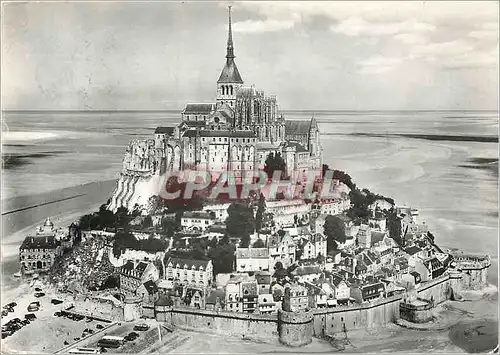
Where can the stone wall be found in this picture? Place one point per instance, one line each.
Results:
(230, 323)
(416, 313)
(98, 307)
(295, 329)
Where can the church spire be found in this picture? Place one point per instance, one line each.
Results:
(230, 49)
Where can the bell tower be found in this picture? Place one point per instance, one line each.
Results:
(230, 79)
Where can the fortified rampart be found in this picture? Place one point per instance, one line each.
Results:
(99, 306)
(297, 329)
(236, 324)
(474, 269)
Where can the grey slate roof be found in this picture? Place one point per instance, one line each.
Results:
(188, 262)
(230, 73)
(297, 126)
(39, 242)
(166, 130)
(198, 108)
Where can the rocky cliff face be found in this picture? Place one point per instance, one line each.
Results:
(140, 175)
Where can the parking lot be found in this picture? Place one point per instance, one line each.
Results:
(46, 333)
(143, 340)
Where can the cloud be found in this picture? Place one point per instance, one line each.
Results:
(430, 31)
(253, 26)
(488, 31)
(411, 38)
(357, 26)
(379, 64)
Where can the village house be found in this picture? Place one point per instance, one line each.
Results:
(38, 254)
(263, 282)
(189, 272)
(288, 212)
(415, 254)
(252, 259)
(372, 291)
(134, 274)
(215, 301)
(364, 236)
(148, 291)
(429, 269)
(342, 291)
(314, 247)
(249, 296)
(317, 296)
(295, 298)
(219, 211)
(266, 304)
(392, 289)
(198, 221)
(235, 291)
(194, 297)
(281, 248)
(401, 265)
(332, 206)
(307, 273)
(318, 226)
(333, 259)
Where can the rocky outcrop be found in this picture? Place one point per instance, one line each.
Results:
(139, 177)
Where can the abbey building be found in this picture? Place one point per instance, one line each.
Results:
(235, 133)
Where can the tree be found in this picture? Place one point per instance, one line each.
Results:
(147, 222)
(261, 208)
(274, 162)
(240, 222)
(277, 294)
(245, 241)
(222, 258)
(259, 243)
(335, 231)
(394, 227)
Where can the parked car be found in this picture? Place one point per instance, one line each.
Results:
(38, 289)
(56, 301)
(131, 336)
(30, 316)
(141, 327)
(10, 305)
(57, 314)
(99, 326)
(39, 294)
(32, 308)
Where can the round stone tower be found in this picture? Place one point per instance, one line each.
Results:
(295, 328)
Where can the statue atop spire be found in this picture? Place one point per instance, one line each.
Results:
(230, 48)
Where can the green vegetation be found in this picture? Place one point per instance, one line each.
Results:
(274, 162)
(240, 223)
(105, 218)
(259, 243)
(361, 200)
(334, 231)
(259, 215)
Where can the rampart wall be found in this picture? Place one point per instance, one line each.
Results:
(230, 323)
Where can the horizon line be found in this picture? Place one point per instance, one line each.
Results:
(284, 110)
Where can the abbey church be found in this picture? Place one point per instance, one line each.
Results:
(235, 133)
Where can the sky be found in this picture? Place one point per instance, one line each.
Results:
(415, 55)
